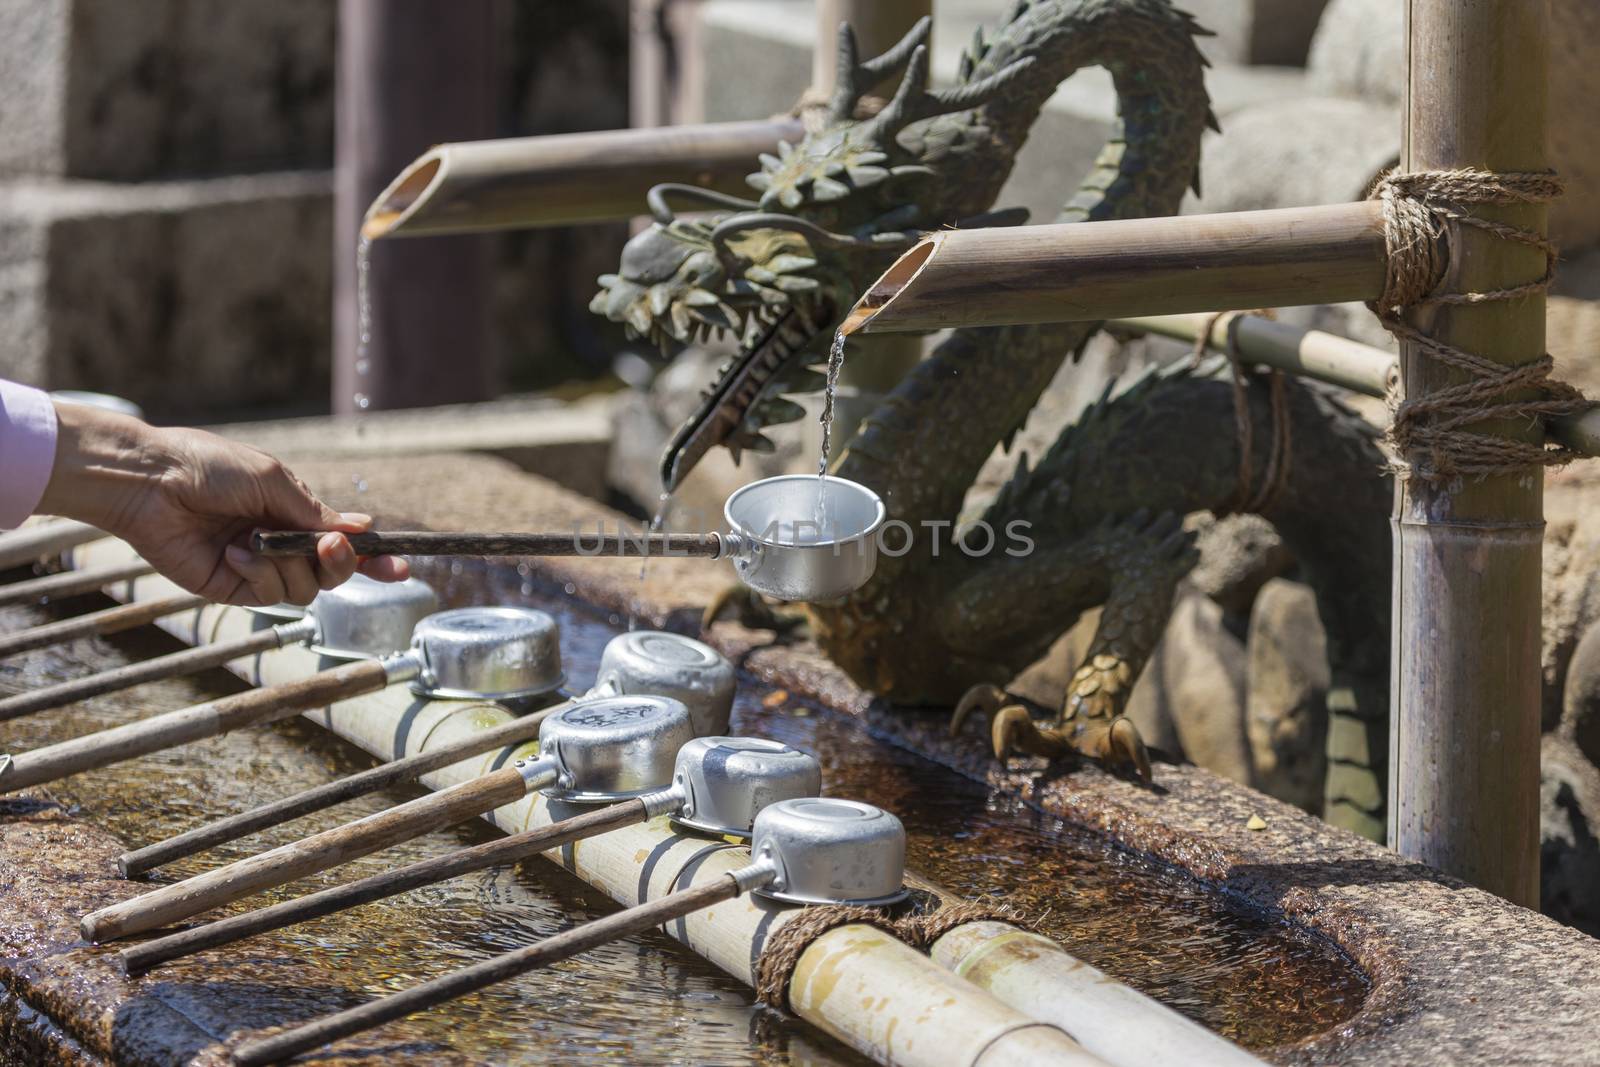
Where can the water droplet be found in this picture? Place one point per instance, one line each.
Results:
(362, 401)
(570, 589)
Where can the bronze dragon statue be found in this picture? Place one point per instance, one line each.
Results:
(1104, 506)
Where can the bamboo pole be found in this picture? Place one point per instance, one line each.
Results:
(395, 772)
(70, 583)
(1325, 357)
(112, 620)
(180, 726)
(1089, 271)
(39, 540)
(557, 180)
(1039, 978)
(1464, 760)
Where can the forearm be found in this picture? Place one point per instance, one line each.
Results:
(104, 463)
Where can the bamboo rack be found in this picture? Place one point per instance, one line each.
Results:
(923, 1014)
(524, 182)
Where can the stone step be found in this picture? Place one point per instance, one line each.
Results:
(124, 90)
(181, 296)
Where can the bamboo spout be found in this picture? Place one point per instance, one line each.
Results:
(1089, 271)
(525, 182)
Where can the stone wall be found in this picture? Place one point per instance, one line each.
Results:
(166, 203)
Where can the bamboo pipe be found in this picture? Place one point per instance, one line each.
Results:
(70, 583)
(172, 665)
(1466, 680)
(1041, 979)
(140, 958)
(566, 178)
(43, 539)
(98, 623)
(427, 543)
(183, 725)
(954, 1023)
(1326, 357)
(1086, 272)
(396, 772)
(319, 852)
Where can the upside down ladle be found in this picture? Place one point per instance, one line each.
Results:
(360, 619)
(807, 851)
(641, 661)
(719, 786)
(793, 537)
(595, 751)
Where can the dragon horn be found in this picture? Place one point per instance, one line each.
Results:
(854, 77)
(913, 101)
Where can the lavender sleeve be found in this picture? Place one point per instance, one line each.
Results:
(27, 450)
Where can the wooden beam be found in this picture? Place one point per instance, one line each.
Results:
(1465, 691)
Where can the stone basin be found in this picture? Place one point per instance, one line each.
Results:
(1443, 973)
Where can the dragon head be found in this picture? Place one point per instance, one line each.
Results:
(780, 272)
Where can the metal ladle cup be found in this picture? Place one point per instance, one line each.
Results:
(606, 749)
(720, 784)
(670, 665)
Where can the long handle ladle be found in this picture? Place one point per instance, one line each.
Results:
(71, 583)
(784, 832)
(720, 785)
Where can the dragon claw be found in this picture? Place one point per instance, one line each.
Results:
(984, 697)
(1013, 727)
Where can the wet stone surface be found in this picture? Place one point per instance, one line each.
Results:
(646, 1000)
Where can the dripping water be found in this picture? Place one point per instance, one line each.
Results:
(361, 399)
(835, 364)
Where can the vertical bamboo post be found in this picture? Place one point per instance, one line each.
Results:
(878, 24)
(411, 73)
(1464, 747)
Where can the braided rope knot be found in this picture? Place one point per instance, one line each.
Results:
(1427, 439)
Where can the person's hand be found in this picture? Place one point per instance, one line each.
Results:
(188, 501)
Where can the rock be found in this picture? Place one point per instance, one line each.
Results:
(1276, 32)
(1580, 714)
(1201, 668)
(1359, 51)
(1569, 825)
(1286, 714)
(1238, 554)
(1296, 152)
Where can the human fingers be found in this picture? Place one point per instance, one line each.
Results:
(386, 568)
(299, 578)
(336, 560)
(264, 580)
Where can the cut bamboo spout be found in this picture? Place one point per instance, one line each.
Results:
(1089, 271)
(525, 182)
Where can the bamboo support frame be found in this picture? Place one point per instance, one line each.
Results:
(1086, 272)
(1465, 688)
(557, 180)
(918, 1016)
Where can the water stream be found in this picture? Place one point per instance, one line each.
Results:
(647, 1000)
(835, 364)
(361, 400)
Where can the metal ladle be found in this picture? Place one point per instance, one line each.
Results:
(792, 537)
(522, 636)
(642, 661)
(603, 750)
(811, 850)
(719, 786)
(360, 619)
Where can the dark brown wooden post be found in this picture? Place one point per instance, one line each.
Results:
(411, 73)
(1464, 760)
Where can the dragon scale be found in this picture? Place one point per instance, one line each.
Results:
(1104, 506)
